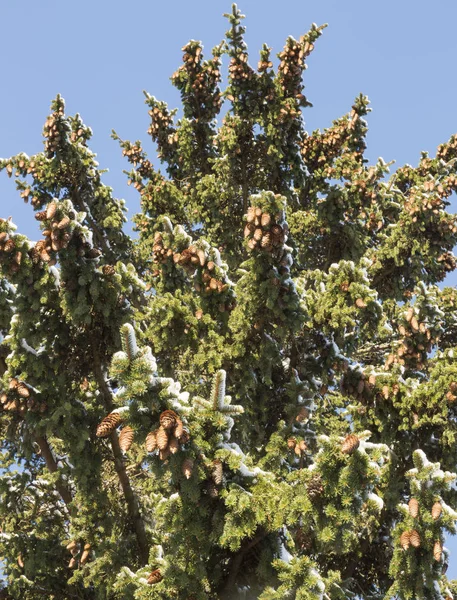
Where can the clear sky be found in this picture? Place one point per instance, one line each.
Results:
(101, 54)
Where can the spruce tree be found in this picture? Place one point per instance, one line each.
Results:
(254, 396)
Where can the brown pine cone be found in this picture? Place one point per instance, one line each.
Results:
(350, 444)
(173, 445)
(413, 506)
(162, 438)
(405, 540)
(155, 577)
(217, 471)
(168, 419)
(108, 270)
(187, 467)
(414, 538)
(437, 509)
(22, 390)
(108, 425)
(437, 550)
(151, 441)
(126, 438)
(315, 487)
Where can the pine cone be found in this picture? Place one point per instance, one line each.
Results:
(173, 445)
(437, 509)
(164, 454)
(291, 442)
(303, 414)
(168, 419)
(265, 220)
(63, 223)
(315, 487)
(108, 270)
(217, 471)
(85, 554)
(250, 216)
(155, 577)
(213, 492)
(23, 390)
(437, 550)
(413, 505)
(405, 540)
(51, 210)
(108, 425)
(187, 467)
(126, 438)
(185, 437)
(179, 429)
(151, 441)
(350, 444)
(258, 234)
(162, 438)
(414, 538)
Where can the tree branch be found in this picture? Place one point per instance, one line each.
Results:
(52, 467)
(129, 495)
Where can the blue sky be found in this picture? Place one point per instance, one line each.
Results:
(101, 54)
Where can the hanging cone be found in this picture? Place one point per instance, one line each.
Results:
(173, 445)
(437, 550)
(405, 540)
(168, 419)
(414, 538)
(217, 471)
(108, 270)
(71, 546)
(213, 492)
(413, 506)
(291, 443)
(155, 577)
(265, 220)
(164, 454)
(302, 415)
(350, 444)
(162, 438)
(315, 487)
(151, 441)
(437, 509)
(126, 438)
(23, 390)
(185, 437)
(85, 554)
(187, 467)
(108, 425)
(51, 210)
(179, 429)
(250, 216)
(73, 562)
(20, 561)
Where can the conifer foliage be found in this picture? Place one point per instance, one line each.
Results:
(257, 396)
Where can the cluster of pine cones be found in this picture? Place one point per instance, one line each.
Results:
(192, 259)
(9, 252)
(160, 121)
(262, 231)
(239, 69)
(57, 234)
(416, 343)
(19, 399)
(411, 537)
(79, 553)
(360, 385)
(51, 133)
(169, 436)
